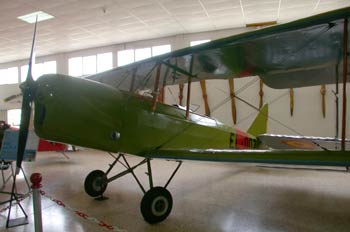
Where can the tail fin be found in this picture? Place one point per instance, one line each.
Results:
(259, 126)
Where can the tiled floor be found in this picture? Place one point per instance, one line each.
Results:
(207, 197)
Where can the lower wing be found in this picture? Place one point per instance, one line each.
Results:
(298, 157)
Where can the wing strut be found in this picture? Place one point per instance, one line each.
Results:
(156, 89)
(181, 91)
(345, 73)
(132, 86)
(189, 90)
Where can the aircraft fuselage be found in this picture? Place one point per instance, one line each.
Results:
(90, 114)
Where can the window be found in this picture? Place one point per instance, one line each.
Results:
(9, 76)
(104, 61)
(14, 117)
(142, 53)
(49, 67)
(129, 56)
(24, 72)
(197, 42)
(159, 50)
(88, 65)
(39, 69)
(125, 57)
(75, 66)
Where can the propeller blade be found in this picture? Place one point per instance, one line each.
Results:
(28, 90)
(29, 75)
(23, 130)
(14, 96)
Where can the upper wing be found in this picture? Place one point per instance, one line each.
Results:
(300, 53)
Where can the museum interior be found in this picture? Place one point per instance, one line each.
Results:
(174, 115)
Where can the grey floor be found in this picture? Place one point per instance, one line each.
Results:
(207, 197)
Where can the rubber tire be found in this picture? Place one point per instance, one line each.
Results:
(95, 183)
(157, 197)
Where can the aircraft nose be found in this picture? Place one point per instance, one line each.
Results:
(47, 94)
(44, 91)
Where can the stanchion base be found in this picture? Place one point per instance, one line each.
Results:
(101, 198)
(17, 222)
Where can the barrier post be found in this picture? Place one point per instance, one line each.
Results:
(36, 178)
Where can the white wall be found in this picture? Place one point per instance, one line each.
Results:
(307, 119)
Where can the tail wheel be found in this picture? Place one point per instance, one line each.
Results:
(156, 205)
(95, 183)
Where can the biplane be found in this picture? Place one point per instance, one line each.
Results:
(306, 52)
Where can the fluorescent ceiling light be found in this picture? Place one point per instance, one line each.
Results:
(31, 18)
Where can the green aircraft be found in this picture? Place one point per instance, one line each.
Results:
(104, 112)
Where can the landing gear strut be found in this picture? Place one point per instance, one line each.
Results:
(156, 203)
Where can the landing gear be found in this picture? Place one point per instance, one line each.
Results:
(95, 183)
(156, 203)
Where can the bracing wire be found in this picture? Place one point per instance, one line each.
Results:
(269, 117)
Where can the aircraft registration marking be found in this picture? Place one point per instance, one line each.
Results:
(241, 142)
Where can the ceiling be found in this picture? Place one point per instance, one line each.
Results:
(80, 24)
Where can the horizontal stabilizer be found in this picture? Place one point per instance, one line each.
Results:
(288, 142)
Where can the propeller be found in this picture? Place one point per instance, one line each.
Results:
(14, 96)
(28, 89)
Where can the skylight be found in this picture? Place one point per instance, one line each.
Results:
(31, 18)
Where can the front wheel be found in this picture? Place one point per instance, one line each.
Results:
(95, 183)
(156, 205)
